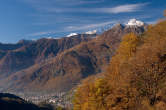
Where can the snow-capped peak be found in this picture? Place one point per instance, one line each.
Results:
(72, 34)
(91, 32)
(51, 38)
(134, 22)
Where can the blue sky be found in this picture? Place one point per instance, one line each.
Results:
(33, 19)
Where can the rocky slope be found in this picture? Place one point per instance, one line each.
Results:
(15, 57)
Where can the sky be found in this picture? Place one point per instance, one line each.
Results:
(34, 19)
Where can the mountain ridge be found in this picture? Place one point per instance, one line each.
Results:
(64, 70)
(36, 52)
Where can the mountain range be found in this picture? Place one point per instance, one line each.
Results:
(59, 64)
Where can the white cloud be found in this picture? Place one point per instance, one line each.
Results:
(47, 14)
(72, 28)
(40, 33)
(52, 3)
(123, 8)
(64, 6)
(117, 9)
(86, 27)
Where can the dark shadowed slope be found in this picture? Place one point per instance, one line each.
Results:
(12, 102)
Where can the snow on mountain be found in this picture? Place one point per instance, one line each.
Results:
(91, 32)
(52, 38)
(49, 38)
(101, 29)
(134, 22)
(72, 34)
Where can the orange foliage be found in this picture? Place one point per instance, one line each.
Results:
(135, 79)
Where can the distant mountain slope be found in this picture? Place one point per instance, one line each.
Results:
(62, 72)
(4, 48)
(15, 57)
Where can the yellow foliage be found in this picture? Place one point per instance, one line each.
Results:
(165, 13)
(135, 79)
(102, 95)
(93, 96)
(128, 46)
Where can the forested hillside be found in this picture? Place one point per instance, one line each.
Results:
(135, 78)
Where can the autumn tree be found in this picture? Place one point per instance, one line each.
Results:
(148, 67)
(91, 96)
(100, 95)
(126, 50)
(165, 13)
(136, 76)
